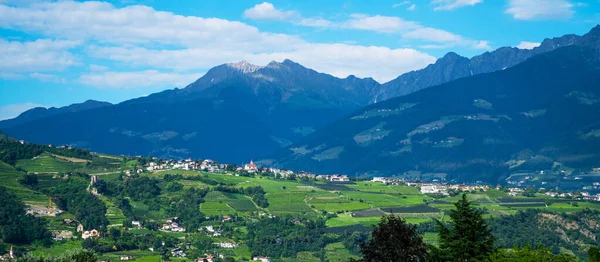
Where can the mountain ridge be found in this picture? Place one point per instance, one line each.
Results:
(467, 132)
(283, 102)
(42, 112)
(452, 66)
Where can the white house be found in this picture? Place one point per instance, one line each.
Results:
(261, 258)
(226, 245)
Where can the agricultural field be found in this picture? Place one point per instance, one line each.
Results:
(9, 178)
(355, 203)
(345, 207)
(50, 163)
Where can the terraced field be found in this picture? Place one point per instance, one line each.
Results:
(218, 203)
(347, 206)
(46, 163)
(9, 178)
(49, 163)
(288, 203)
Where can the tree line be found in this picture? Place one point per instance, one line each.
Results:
(12, 150)
(16, 226)
(467, 236)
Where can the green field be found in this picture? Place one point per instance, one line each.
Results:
(337, 252)
(216, 208)
(48, 163)
(383, 188)
(9, 178)
(58, 248)
(354, 203)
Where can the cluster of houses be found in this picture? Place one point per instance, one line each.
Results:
(172, 225)
(384, 180)
(333, 178)
(43, 211)
(283, 173)
(187, 164)
(210, 230)
(251, 167)
(85, 234)
(214, 167)
(209, 258)
(178, 252)
(226, 245)
(137, 171)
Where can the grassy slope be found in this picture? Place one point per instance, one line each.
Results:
(48, 163)
(9, 178)
(298, 199)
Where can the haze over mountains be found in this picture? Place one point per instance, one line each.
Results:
(237, 112)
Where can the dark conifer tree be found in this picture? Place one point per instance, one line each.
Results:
(467, 236)
(394, 240)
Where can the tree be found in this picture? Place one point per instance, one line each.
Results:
(530, 255)
(594, 254)
(16, 226)
(394, 240)
(467, 238)
(30, 181)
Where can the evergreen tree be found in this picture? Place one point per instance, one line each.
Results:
(467, 238)
(594, 254)
(394, 240)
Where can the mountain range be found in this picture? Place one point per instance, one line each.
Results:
(239, 111)
(42, 112)
(235, 112)
(533, 116)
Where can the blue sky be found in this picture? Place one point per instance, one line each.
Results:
(55, 53)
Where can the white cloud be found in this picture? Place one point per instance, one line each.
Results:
(401, 4)
(528, 45)
(397, 25)
(135, 35)
(102, 22)
(484, 45)
(434, 35)
(315, 22)
(47, 78)
(340, 60)
(148, 78)
(413, 7)
(11, 76)
(35, 56)
(433, 46)
(445, 5)
(13, 110)
(98, 68)
(540, 9)
(266, 11)
(378, 23)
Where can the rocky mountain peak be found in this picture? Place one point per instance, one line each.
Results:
(595, 30)
(273, 64)
(244, 67)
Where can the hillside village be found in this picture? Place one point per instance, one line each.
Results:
(441, 188)
(226, 208)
